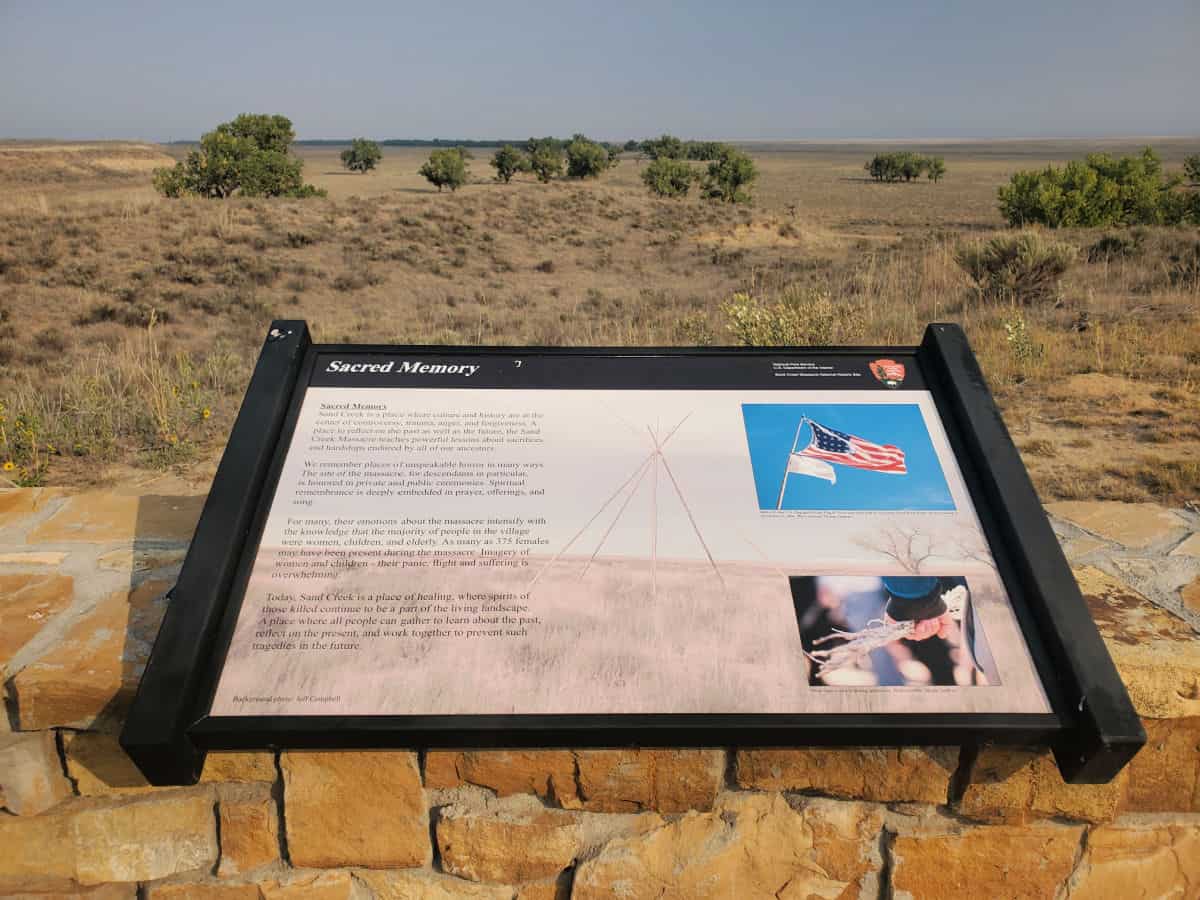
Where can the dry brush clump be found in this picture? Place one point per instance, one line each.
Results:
(797, 317)
(1023, 268)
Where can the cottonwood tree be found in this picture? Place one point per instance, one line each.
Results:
(1191, 168)
(446, 168)
(546, 162)
(666, 146)
(508, 161)
(362, 155)
(247, 156)
(729, 176)
(586, 158)
(669, 177)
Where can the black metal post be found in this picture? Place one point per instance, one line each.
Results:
(155, 733)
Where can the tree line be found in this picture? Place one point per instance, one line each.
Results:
(904, 165)
(251, 156)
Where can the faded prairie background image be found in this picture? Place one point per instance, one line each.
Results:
(664, 591)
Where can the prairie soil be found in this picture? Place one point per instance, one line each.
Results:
(128, 323)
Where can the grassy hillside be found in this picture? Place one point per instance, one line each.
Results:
(128, 323)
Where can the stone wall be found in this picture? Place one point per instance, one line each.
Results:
(81, 579)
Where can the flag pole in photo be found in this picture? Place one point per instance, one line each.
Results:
(803, 465)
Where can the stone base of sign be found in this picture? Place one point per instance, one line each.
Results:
(81, 577)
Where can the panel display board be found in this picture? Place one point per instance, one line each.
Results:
(519, 547)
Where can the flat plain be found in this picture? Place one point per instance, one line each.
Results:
(129, 322)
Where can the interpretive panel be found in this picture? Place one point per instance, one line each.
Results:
(480, 536)
(426, 547)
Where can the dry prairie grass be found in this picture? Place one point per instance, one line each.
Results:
(87, 265)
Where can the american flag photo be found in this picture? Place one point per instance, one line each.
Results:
(844, 456)
(845, 449)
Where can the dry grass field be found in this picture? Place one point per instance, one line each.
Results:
(128, 323)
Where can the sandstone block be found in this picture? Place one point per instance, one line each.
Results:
(748, 846)
(668, 781)
(1012, 786)
(36, 854)
(311, 886)
(16, 503)
(845, 837)
(239, 766)
(200, 890)
(32, 558)
(1141, 859)
(27, 602)
(90, 842)
(1190, 595)
(509, 842)
(355, 809)
(1134, 525)
(1154, 651)
(249, 828)
(99, 892)
(31, 777)
(550, 774)
(101, 517)
(1165, 774)
(882, 775)
(419, 884)
(546, 889)
(944, 860)
(1189, 546)
(95, 668)
(99, 767)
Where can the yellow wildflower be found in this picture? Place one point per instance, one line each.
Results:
(205, 413)
(9, 465)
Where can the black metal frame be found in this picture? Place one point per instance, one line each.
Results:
(1093, 728)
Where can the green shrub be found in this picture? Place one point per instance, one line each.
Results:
(729, 176)
(668, 177)
(585, 158)
(702, 151)
(1023, 268)
(533, 145)
(1191, 168)
(798, 317)
(446, 168)
(508, 161)
(1096, 192)
(666, 147)
(546, 161)
(362, 155)
(248, 156)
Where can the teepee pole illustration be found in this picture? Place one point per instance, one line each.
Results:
(654, 519)
(632, 484)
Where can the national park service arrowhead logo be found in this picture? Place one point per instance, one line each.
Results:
(888, 372)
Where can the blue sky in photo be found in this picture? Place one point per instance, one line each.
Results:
(753, 70)
(771, 427)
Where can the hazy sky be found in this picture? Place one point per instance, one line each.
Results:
(614, 69)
